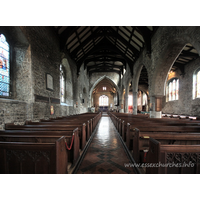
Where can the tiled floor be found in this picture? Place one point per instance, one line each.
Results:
(105, 154)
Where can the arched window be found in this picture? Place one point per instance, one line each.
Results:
(103, 100)
(62, 84)
(172, 90)
(130, 100)
(144, 101)
(196, 84)
(4, 67)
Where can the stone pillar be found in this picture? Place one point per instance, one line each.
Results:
(121, 106)
(156, 107)
(126, 104)
(135, 103)
(148, 105)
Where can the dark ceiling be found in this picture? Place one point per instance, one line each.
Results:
(188, 54)
(111, 48)
(105, 48)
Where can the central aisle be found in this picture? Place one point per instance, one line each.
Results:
(105, 154)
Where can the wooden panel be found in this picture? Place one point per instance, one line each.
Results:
(54, 100)
(39, 98)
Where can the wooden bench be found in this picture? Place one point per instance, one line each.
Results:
(173, 159)
(91, 120)
(52, 127)
(45, 137)
(33, 158)
(141, 141)
(88, 128)
(136, 120)
(164, 129)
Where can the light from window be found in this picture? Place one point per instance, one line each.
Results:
(103, 100)
(4, 67)
(144, 102)
(173, 90)
(130, 100)
(62, 83)
(177, 89)
(104, 88)
(196, 85)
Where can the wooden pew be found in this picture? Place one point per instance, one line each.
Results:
(52, 127)
(91, 120)
(48, 130)
(181, 159)
(164, 129)
(45, 137)
(33, 158)
(135, 119)
(141, 140)
(157, 122)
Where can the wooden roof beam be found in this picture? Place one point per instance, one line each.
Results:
(65, 35)
(146, 33)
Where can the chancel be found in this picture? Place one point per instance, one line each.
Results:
(99, 100)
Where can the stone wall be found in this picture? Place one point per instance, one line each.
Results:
(186, 104)
(36, 52)
(12, 111)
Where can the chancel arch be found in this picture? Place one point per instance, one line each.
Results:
(105, 86)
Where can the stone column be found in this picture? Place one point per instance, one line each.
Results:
(135, 103)
(121, 109)
(126, 104)
(156, 107)
(148, 105)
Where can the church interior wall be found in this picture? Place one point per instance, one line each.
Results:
(36, 52)
(186, 104)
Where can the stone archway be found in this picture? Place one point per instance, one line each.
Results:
(97, 82)
(160, 68)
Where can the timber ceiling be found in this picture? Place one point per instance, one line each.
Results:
(105, 48)
(188, 54)
(111, 48)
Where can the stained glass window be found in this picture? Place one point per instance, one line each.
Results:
(4, 67)
(62, 84)
(103, 100)
(173, 89)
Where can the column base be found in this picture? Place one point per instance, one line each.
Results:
(134, 112)
(155, 114)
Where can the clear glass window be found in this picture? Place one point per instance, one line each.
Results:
(103, 100)
(173, 90)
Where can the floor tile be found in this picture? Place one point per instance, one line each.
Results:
(105, 154)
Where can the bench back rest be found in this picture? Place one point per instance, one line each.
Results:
(33, 158)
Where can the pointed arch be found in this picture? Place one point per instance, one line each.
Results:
(98, 81)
